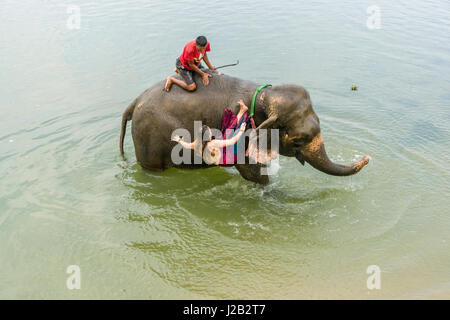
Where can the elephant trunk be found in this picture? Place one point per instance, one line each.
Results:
(314, 153)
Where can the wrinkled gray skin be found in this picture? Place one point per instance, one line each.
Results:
(156, 113)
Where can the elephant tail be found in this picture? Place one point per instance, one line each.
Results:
(127, 115)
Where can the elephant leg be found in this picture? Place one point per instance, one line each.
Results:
(252, 172)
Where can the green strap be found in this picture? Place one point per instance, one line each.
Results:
(252, 108)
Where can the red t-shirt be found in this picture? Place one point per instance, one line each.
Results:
(190, 52)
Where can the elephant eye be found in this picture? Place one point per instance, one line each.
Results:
(298, 142)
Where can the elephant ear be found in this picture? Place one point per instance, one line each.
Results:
(259, 153)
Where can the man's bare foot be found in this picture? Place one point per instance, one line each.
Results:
(168, 84)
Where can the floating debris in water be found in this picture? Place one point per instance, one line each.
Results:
(354, 87)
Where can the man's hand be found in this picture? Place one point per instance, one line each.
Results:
(205, 78)
(212, 68)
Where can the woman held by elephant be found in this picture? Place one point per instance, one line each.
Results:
(217, 151)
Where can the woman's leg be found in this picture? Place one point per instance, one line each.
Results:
(242, 110)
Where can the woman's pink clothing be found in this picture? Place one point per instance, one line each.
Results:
(229, 122)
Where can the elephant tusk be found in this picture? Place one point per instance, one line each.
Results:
(267, 123)
(299, 157)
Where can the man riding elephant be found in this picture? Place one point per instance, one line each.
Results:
(287, 108)
(188, 63)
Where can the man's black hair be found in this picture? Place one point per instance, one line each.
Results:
(201, 41)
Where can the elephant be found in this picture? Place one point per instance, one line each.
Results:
(155, 114)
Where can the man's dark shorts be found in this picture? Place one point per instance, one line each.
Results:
(185, 73)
